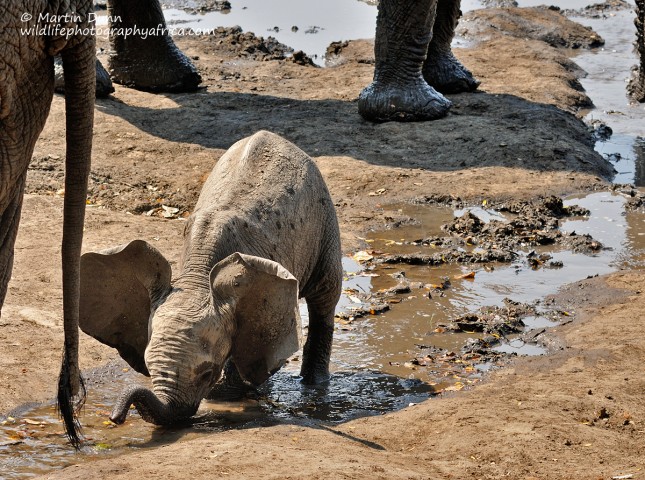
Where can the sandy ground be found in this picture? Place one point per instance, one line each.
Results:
(578, 413)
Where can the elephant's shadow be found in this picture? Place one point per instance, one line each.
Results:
(482, 130)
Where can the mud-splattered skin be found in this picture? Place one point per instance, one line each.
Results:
(26, 91)
(414, 62)
(263, 233)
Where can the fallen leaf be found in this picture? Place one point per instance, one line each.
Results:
(455, 388)
(169, 212)
(33, 422)
(467, 276)
(362, 256)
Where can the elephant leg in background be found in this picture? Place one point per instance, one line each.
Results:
(104, 85)
(441, 69)
(152, 63)
(9, 220)
(636, 87)
(232, 386)
(399, 91)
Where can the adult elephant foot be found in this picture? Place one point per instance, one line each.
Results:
(104, 85)
(441, 69)
(445, 73)
(147, 59)
(382, 101)
(399, 92)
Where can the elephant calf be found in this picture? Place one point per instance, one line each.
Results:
(264, 233)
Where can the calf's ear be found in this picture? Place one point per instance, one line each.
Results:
(120, 287)
(262, 297)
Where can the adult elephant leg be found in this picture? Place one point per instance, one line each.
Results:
(232, 386)
(146, 62)
(636, 87)
(399, 92)
(9, 220)
(104, 85)
(441, 69)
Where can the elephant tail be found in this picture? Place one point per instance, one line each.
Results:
(79, 70)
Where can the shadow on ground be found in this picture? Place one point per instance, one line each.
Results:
(482, 130)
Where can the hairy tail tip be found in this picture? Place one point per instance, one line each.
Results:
(68, 408)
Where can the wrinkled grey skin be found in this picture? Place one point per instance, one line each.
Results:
(104, 86)
(26, 90)
(264, 233)
(414, 62)
(636, 86)
(152, 63)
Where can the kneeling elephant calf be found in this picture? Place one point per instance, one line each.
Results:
(263, 233)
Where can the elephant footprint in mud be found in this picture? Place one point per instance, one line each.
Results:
(263, 233)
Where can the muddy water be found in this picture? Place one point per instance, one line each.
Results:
(371, 368)
(387, 341)
(32, 441)
(306, 26)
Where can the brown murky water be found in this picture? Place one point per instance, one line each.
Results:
(385, 342)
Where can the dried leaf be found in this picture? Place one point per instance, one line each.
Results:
(33, 422)
(454, 388)
(362, 256)
(354, 299)
(466, 276)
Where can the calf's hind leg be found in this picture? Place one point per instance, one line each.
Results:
(317, 349)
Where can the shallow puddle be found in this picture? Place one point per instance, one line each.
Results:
(306, 26)
(32, 441)
(387, 341)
